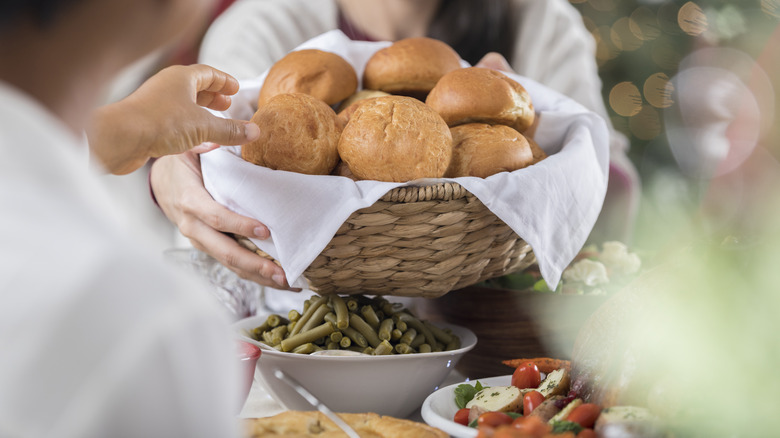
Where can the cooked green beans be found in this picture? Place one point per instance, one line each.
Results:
(371, 325)
(314, 304)
(369, 315)
(385, 331)
(355, 336)
(366, 330)
(308, 336)
(342, 313)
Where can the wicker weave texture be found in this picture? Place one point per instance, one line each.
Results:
(417, 242)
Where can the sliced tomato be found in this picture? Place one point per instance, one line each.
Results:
(462, 416)
(493, 419)
(531, 400)
(527, 375)
(585, 414)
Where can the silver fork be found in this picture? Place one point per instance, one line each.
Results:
(315, 402)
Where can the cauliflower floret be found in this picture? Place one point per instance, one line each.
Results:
(588, 272)
(620, 261)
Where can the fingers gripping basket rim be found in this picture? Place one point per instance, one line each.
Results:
(416, 242)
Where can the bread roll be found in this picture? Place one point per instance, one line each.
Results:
(396, 138)
(324, 75)
(298, 133)
(351, 104)
(482, 95)
(482, 150)
(410, 66)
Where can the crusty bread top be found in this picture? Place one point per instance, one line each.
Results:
(324, 75)
(477, 94)
(411, 66)
(396, 139)
(298, 133)
(482, 150)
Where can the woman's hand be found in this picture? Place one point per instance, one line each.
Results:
(166, 115)
(177, 183)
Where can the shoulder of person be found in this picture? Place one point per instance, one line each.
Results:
(251, 35)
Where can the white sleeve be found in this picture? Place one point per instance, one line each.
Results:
(251, 35)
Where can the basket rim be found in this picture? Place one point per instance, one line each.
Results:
(441, 191)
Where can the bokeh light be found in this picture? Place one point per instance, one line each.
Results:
(622, 36)
(625, 99)
(771, 7)
(658, 90)
(692, 19)
(605, 49)
(602, 5)
(643, 23)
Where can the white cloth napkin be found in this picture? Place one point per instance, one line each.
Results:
(552, 205)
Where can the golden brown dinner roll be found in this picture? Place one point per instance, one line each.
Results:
(316, 424)
(410, 66)
(481, 150)
(477, 94)
(324, 75)
(298, 133)
(396, 138)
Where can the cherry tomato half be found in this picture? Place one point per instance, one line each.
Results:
(462, 416)
(531, 400)
(526, 375)
(585, 414)
(493, 419)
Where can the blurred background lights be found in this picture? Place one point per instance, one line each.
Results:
(623, 37)
(658, 90)
(625, 99)
(643, 23)
(692, 19)
(771, 7)
(602, 5)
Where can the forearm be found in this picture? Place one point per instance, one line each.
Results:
(114, 140)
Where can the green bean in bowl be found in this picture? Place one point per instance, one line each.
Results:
(368, 325)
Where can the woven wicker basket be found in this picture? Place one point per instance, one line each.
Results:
(416, 242)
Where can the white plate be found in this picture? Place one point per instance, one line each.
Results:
(439, 408)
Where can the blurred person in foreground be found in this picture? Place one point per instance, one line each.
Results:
(99, 337)
(542, 40)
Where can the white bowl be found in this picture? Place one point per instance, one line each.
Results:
(439, 408)
(393, 385)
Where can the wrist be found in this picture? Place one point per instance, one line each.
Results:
(116, 147)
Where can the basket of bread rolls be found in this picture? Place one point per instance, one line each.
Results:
(413, 115)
